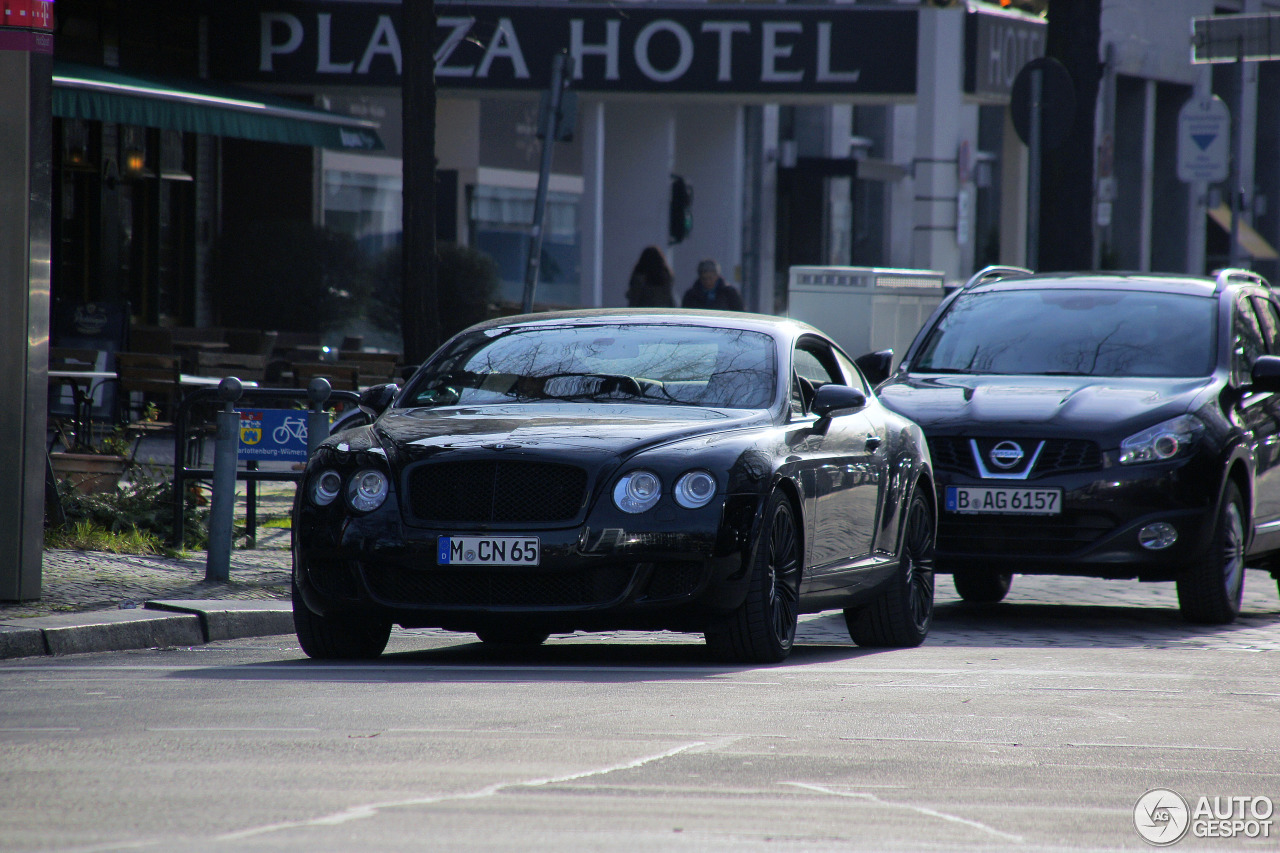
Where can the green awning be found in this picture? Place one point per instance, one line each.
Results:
(199, 106)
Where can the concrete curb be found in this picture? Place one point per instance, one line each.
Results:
(232, 620)
(160, 623)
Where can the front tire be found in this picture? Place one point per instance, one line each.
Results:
(347, 637)
(901, 617)
(982, 586)
(763, 628)
(1209, 593)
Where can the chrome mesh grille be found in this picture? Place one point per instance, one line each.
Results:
(486, 491)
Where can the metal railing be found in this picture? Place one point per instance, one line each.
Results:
(319, 395)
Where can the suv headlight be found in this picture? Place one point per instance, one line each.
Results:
(1168, 440)
(366, 490)
(637, 491)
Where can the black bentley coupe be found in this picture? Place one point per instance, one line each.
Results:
(613, 469)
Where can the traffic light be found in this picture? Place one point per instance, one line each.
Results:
(680, 222)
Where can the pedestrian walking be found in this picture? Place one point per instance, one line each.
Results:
(652, 281)
(711, 290)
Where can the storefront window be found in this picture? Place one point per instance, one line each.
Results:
(365, 205)
(500, 220)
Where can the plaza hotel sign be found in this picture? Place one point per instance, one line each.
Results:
(633, 47)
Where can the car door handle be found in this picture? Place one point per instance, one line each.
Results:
(873, 441)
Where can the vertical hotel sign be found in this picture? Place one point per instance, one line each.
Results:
(26, 25)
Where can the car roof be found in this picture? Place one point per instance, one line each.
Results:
(1010, 278)
(784, 327)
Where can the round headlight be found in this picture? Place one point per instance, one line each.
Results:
(695, 489)
(637, 491)
(367, 490)
(325, 488)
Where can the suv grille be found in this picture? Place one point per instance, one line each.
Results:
(486, 491)
(1060, 455)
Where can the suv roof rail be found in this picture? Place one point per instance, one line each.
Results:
(1223, 277)
(995, 272)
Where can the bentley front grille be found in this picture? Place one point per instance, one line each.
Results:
(489, 491)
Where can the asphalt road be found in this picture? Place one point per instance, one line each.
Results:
(1032, 725)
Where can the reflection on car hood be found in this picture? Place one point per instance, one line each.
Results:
(588, 431)
(1040, 405)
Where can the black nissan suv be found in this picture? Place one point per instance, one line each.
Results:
(1102, 425)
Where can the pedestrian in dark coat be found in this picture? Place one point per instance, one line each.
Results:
(711, 290)
(652, 281)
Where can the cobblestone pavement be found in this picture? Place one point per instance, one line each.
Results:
(1038, 612)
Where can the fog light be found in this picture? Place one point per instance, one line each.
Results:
(1158, 536)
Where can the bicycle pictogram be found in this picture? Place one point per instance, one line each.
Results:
(290, 427)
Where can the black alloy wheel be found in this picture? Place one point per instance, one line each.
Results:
(901, 617)
(982, 586)
(763, 628)
(347, 637)
(1209, 593)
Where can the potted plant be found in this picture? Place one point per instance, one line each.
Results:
(93, 468)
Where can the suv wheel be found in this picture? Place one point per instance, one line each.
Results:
(1210, 591)
(981, 586)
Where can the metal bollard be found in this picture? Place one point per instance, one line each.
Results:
(222, 508)
(317, 418)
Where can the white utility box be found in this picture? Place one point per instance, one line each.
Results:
(865, 309)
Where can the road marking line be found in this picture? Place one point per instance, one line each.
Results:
(372, 809)
(918, 809)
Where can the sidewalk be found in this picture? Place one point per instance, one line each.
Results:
(96, 601)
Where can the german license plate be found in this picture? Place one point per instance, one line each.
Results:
(1004, 501)
(487, 551)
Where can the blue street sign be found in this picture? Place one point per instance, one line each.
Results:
(277, 434)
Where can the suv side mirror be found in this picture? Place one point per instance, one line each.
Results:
(833, 397)
(875, 365)
(375, 399)
(1265, 375)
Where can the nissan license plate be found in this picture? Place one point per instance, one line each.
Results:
(487, 551)
(1004, 501)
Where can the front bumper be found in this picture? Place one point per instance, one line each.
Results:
(1096, 534)
(589, 577)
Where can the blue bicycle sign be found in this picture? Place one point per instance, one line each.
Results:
(273, 434)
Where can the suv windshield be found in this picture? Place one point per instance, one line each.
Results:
(684, 365)
(1073, 332)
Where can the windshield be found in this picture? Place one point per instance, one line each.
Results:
(1073, 332)
(662, 364)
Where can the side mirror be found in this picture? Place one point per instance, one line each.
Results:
(831, 398)
(875, 365)
(1265, 375)
(375, 399)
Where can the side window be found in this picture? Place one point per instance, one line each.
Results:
(1248, 342)
(814, 367)
(1270, 320)
(851, 372)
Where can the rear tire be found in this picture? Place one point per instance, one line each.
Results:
(763, 628)
(1209, 593)
(901, 617)
(345, 637)
(982, 586)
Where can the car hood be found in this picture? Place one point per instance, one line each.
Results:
(1107, 408)
(587, 432)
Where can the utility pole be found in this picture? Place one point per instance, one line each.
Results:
(419, 302)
